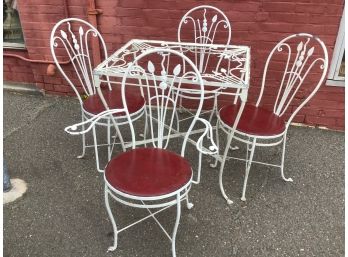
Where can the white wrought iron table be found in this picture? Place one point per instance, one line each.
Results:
(223, 66)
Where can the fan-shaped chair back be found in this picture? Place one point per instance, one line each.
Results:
(204, 25)
(298, 64)
(162, 75)
(71, 38)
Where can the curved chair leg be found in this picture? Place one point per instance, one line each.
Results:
(189, 205)
(180, 105)
(108, 134)
(114, 227)
(214, 108)
(228, 144)
(146, 126)
(177, 121)
(282, 164)
(217, 141)
(177, 221)
(96, 149)
(143, 135)
(83, 141)
(248, 167)
(222, 165)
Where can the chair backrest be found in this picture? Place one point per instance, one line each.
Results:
(71, 38)
(204, 25)
(298, 65)
(159, 74)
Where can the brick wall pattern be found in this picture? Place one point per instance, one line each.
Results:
(259, 24)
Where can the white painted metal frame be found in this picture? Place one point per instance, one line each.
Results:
(299, 64)
(231, 70)
(204, 23)
(160, 96)
(75, 45)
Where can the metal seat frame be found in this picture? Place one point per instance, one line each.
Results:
(300, 61)
(76, 46)
(161, 115)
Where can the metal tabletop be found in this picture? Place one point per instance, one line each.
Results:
(226, 66)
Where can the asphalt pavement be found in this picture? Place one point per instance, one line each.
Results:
(63, 213)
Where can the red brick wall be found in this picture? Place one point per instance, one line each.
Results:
(37, 19)
(18, 70)
(259, 24)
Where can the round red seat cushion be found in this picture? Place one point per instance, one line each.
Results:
(254, 120)
(113, 98)
(148, 172)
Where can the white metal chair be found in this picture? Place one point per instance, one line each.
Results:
(204, 25)
(70, 38)
(152, 176)
(299, 64)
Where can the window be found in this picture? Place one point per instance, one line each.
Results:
(13, 35)
(337, 72)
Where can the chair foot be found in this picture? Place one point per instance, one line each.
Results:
(243, 198)
(233, 148)
(189, 206)
(112, 248)
(83, 152)
(80, 156)
(213, 165)
(287, 179)
(284, 178)
(229, 201)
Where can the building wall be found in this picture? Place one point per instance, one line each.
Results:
(259, 24)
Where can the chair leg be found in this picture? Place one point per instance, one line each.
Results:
(180, 105)
(222, 165)
(177, 221)
(108, 134)
(228, 144)
(283, 158)
(189, 205)
(177, 121)
(83, 141)
(114, 227)
(248, 167)
(96, 149)
(214, 109)
(217, 141)
(146, 126)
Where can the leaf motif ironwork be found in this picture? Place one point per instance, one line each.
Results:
(150, 67)
(64, 35)
(177, 70)
(163, 84)
(205, 23)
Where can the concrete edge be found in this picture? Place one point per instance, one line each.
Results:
(22, 88)
(295, 124)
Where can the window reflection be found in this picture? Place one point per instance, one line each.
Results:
(341, 70)
(12, 25)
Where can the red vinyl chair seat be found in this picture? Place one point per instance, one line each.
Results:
(254, 120)
(148, 172)
(113, 98)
